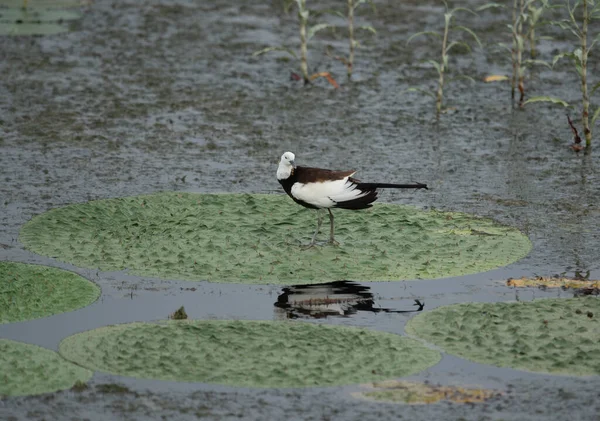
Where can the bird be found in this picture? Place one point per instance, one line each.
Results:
(318, 188)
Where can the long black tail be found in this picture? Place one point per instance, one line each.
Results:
(373, 186)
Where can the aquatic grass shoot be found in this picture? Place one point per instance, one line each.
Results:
(517, 50)
(352, 5)
(524, 12)
(447, 46)
(535, 12)
(526, 17)
(306, 33)
(586, 11)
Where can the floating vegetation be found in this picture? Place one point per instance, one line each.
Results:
(547, 335)
(419, 393)
(553, 282)
(256, 239)
(34, 291)
(179, 314)
(37, 17)
(248, 353)
(28, 370)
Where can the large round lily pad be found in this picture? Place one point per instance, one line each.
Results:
(256, 239)
(28, 370)
(547, 335)
(33, 291)
(248, 353)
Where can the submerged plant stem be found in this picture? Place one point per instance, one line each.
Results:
(302, 13)
(351, 36)
(520, 43)
(584, 90)
(532, 52)
(513, 81)
(440, 91)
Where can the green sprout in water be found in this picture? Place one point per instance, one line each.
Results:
(305, 36)
(535, 12)
(524, 12)
(526, 17)
(517, 50)
(590, 10)
(352, 5)
(447, 46)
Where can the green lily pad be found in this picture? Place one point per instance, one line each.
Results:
(28, 370)
(16, 29)
(46, 4)
(37, 15)
(35, 21)
(33, 291)
(248, 353)
(256, 239)
(547, 335)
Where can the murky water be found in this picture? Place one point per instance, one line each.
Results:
(140, 98)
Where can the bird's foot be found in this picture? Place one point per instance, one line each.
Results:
(333, 242)
(308, 246)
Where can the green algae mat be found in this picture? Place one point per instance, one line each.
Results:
(257, 239)
(559, 336)
(28, 370)
(248, 353)
(34, 291)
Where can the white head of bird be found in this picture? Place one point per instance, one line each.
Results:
(286, 165)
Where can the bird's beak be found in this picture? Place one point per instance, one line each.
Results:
(293, 163)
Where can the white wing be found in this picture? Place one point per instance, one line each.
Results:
(327, 193)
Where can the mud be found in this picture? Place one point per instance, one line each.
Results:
(166, 95)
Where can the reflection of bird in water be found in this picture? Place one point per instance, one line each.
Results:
(339, 298)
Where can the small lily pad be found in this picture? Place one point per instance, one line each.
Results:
(37, 15)
(35, 20)
(34, 291)
(254, 238)
(46, 28)
(547, 335)
(28, 370)
(248, 353)
(45, 4)
(420, 393)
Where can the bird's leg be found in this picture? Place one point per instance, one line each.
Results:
(331, 239)
(319, 222)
